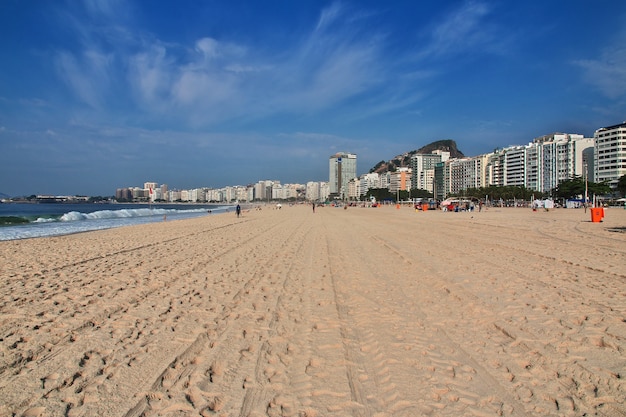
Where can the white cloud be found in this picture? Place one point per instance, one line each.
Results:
(87, 76)
(214, 80)
(150, 75)
(240, 68)
(203, 87)
(105, 8)
(608, 72)
(461, 30)
(329, 15)
(218, 80)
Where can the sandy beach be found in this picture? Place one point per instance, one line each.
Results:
(358, 312)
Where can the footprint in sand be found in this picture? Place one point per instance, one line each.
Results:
(34, 412)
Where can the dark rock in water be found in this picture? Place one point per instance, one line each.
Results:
(11, 220)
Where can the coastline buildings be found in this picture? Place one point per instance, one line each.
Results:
(540, 165)
(262, 191)
(368, 181)
(400, 180)
(342, 169)
(317, 191)
(609, 159)
(423, 169)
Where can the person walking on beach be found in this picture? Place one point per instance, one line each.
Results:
(313, 207)
(238, 210)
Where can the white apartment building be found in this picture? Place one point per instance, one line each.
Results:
(385, 179)
(610, 154)
(173, 195)
(260, 192)
(423, 169)
(540, 165)
(494, 168)
(324, 191)
(533, 169)
(313, 191)
(317, 191)
(465, 173)
(371, 180)
(148, 185)
(342, 168)
(515, 166)
(279, 192)
(354, 189)
(240, 193)
(263, 189)
(196, 194)
(295, 191)
(559, 157)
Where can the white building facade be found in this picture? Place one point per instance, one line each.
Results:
(342, 168)
(610, 154)
(423, 169)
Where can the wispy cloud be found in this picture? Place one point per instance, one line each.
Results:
(86, 75)
(607, 73)
(462, 30)
(150, 75)
(329, 15)
(341, 60)
(215, 80)
(105, 8)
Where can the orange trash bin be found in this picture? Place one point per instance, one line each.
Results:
(597, 213)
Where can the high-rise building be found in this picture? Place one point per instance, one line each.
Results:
(354, 189)
(371, 180)
(400, 180)
(423, 169)
(342, 168)
(610, 154)
(558, 157)
(465, 173)
(313, 191)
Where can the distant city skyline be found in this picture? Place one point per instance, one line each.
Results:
(333, 176)
(94, 95)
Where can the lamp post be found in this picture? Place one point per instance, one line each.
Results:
(586, 183)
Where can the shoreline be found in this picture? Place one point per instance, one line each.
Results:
(77, 218)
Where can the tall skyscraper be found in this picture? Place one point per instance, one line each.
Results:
(342, 168)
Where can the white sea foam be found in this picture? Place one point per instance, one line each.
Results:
(75, 222)
(45, 220)
(125, 213)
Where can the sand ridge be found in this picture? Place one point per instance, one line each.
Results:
(361, 312)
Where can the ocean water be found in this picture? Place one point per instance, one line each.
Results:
(24, 220)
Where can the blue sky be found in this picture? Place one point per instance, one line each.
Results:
(96, 95)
